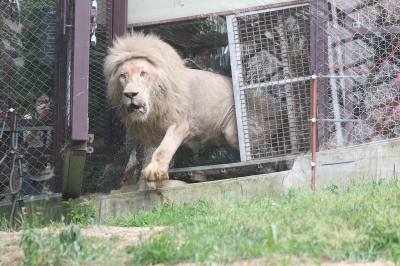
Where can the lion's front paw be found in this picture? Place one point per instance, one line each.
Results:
(152, 173)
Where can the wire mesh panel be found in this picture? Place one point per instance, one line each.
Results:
(27, 51)
(98, 109)
(270, 71)
(355, 53)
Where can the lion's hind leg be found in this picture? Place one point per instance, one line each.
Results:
(230, 133)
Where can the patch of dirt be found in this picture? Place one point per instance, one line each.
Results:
(11, 253)
(125, 235)
(294, 262)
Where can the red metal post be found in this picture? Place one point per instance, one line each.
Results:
(313, 129)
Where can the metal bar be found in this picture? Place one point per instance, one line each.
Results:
(335, 41)
(349, 31)
(288, 5)
(115, 130)
(288, 88)
(24, 128)
(235, 54)
(35, 122)
(120, 17)
(338, 77)
(338, 162)
(33, 198)
(64, 16)
(109, 124)
(342, 120)
(335, 98)
(109, 22)
(80, 71)
(232, 165)
(313, 131)
(278, 82)
(13, 179)
(60, 83)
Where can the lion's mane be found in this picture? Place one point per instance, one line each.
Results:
(169, 93)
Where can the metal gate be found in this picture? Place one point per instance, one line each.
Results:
(44, 72)
(270, 71)
(268, 60)
(92, 128)
(355, 55)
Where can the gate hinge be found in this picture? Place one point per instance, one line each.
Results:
(89, 148)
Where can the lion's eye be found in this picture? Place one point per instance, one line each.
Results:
(123, 76)
(142, 74)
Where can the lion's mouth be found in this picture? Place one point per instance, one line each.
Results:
(133, 107)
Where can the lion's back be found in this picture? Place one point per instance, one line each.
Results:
(212, 106)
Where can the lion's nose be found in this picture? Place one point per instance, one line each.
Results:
(130, 95)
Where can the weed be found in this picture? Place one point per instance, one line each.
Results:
(83, 213)
(32, 245)
(4, 224)
(66, 248)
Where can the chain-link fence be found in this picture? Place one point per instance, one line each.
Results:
(353, 47)
(27, 50)
(357, 61)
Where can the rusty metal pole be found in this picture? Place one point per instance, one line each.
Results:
(313, 128)
(13, 182)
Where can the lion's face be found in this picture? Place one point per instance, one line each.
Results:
(135, 77)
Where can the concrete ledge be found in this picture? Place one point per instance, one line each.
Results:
(116, 205)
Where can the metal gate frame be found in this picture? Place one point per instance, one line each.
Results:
(247, 163)
(75, 151)
(239, 85)
(78, 53)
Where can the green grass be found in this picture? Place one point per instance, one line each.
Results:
(357, 223)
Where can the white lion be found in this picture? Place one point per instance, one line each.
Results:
(165, 105)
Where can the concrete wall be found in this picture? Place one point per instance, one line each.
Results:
(363, 163)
